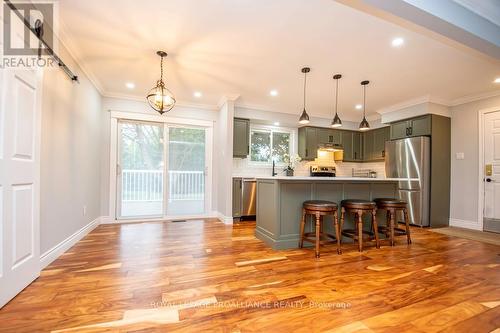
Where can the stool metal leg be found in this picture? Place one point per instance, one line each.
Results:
(302, 227)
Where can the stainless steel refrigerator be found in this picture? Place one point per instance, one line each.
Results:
(409, 160)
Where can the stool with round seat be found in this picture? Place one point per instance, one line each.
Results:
(319, 209)
(392, 206)
(359, 207)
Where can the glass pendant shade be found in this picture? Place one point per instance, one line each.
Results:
(160, 98)
(304, 118)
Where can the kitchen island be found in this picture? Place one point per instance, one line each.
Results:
(280, 198)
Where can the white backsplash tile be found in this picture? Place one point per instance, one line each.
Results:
(242, 167)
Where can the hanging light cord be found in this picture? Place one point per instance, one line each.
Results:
(336, 96)
(364, 101)
(305, 82)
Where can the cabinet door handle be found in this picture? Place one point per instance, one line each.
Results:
(411, 130)
(407, 131)
(355, 155)
(306, 153)
(383, 153)
(248, 150)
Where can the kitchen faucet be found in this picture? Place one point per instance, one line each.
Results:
(274, 173)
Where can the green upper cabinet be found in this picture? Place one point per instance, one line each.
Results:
(241, 137)
(326, 135)
(358, 146)
(374, 146)
(420, 126)
(353, 146)
(308, 143)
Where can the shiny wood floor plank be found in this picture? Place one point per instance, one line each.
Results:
(203, 275)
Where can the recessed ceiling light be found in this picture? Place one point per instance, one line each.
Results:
(197, 94)
(273, 92)
(397, 42)
(497, 80)
(130, 85)
(358, 106)
(276, 124)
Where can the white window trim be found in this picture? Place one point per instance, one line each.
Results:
(271, 129)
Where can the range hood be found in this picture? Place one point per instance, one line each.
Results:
(330, 147)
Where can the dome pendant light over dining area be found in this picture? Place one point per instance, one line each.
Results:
(336, 122)
(304, 117)
(364, 125)
(160, 98)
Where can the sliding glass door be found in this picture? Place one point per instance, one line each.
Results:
(140, 170)
(186, 171)
(161, 170)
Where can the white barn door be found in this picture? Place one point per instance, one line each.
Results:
(20, 125)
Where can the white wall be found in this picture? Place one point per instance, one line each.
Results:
(465, 173)
(70, 154)
(223, 157)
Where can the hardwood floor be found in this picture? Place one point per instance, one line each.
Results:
(207, 276)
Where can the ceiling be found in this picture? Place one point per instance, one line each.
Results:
(248, 47)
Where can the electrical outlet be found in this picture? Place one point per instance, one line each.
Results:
(460, 156)
(85, 210)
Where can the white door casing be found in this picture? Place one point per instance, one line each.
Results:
(20, 126)
(492, 160)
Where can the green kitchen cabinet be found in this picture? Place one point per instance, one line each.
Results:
(241, 137)
(419, 126)
(237, 188)
(308, 143)
(327, 135)
(374, 143)
(357, 143)
(353, 146)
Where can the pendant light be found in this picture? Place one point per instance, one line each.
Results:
(364, 126)
(160, 98)
(304, 117)
(336, 122)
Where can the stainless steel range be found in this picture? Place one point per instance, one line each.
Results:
(323, 171)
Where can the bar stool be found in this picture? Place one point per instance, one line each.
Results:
(359, 207)
(392, 206)
(319, 209)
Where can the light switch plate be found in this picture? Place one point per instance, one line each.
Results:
(460, 156)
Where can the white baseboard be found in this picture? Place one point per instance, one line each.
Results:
(48, 257)
(107, 220)
(465, 224)
(225, 219)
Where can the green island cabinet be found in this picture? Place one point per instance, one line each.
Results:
(358, 146)
(241, 137)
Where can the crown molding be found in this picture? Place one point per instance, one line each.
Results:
(473, 98)
(183, 104)
(227, 98)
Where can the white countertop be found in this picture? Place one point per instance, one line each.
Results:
(328, 178)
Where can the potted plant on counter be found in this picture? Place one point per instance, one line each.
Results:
(292, 162)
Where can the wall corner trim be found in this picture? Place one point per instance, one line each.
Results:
(473, 225)
(49, 256)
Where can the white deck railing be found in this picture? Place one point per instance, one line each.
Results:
(147, 185)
